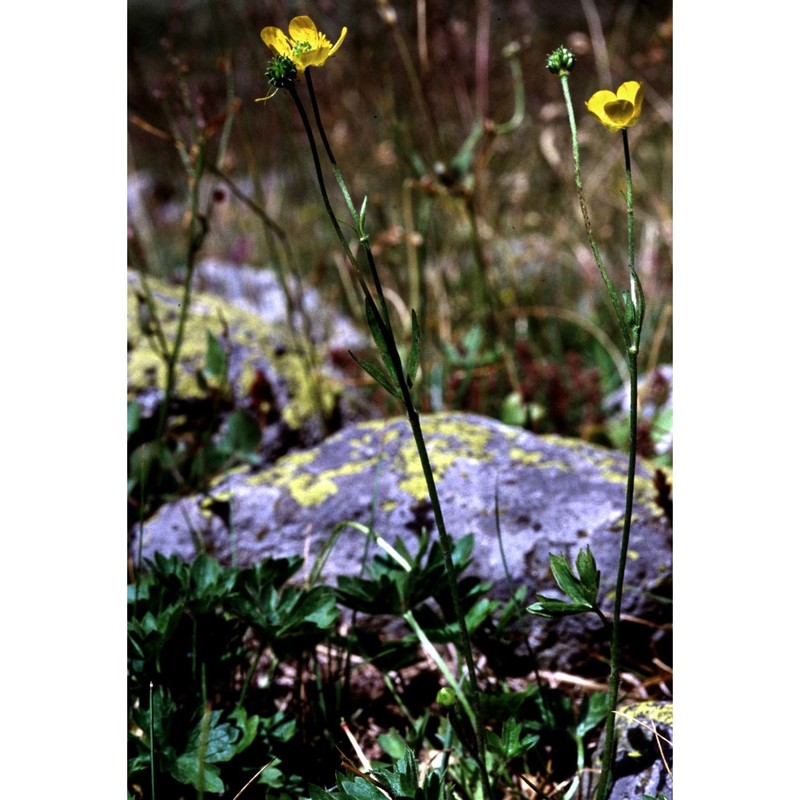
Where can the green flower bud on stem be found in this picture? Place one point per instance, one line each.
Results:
(446, 697)
(561, 61)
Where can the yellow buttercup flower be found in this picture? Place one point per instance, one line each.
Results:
(620, 110)
(305, 45)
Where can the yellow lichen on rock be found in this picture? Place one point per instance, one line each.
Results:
(253, 338)
(659, 712)
(447, 441)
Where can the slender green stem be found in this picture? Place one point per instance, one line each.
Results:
(154, 327)
(637, 299)
(249, 677)
(325, 143)
(417, 90)
(321, 181)
(481, 274)
(205, 725)
(511, 52)
(628, 197)
(431, 651)
(338, 228)
(415, 251)
(363, 238)
(408, 616)
(637, 293)
(609, 750)
(140, 545)
(255, 207)
(447, 549)
(630, 323)
(585, 211)
(384, 322)
(198, 228)
(152, 748)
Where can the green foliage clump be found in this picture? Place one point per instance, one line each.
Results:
(195, 636)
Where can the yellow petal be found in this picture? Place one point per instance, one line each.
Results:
(303, 29)
(314, 58)
(634, 93)
(597, 102)
(597, 105)
(276, 40)
(629, 91)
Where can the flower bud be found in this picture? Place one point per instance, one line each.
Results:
(446, 697)
(281, 72)
(560, 61)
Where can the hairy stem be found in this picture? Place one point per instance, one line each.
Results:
(585, 211)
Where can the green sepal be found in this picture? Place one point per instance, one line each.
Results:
(638, 296)
(629, 309)
(413, 358)
(634, 306)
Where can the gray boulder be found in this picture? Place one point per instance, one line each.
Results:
(552, 495)
(260, 292)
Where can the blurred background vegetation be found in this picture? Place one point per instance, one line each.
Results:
(472, 208)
